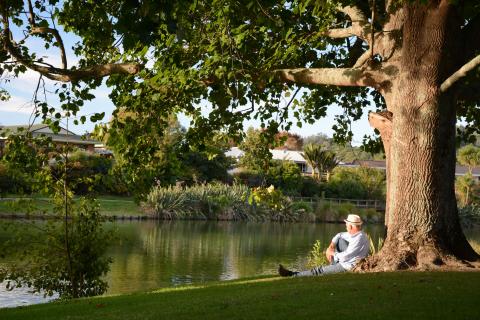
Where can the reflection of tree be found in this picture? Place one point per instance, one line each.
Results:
(165, 253)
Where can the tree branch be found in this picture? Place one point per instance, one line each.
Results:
(41, 30)
(359, 28)
(56, 34)
(353, 77)
(63, 75)
(460, 73)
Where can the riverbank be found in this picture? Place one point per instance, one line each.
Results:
(400, 295)
(110, 206)
(125, 208)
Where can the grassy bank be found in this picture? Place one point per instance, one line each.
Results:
(109, 206)
(403, 295)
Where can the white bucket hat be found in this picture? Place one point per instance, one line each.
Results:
(354, 219)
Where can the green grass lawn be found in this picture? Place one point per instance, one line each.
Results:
(109, 206)
(401, 295)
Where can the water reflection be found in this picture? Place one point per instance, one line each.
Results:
(151, 255)
(148, 255)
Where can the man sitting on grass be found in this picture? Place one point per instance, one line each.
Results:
(343, 253)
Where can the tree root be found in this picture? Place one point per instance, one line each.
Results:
(425, 258)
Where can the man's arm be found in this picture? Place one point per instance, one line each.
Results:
(353, 250)
(330, 251)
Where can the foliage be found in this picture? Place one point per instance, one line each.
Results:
(344, 153)
(251, 178)
(167, 202)
(66, 255)
(321, 161)
(469, 156)
(285, 175)
(46, 265)
(206, 201)
(311, 187)
(13, 180)
(289, 141)
(85, 171)
(374, 248)
(469, 215)
(467, 189)
(335, 212)
(356, 183)
(256, 150)
(316, 257)
(273, 202)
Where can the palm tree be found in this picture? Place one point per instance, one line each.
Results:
(327, 164)
(312, 154)
(321, 161)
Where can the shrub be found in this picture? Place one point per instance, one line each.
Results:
(311, 187)
(167, 202)
(469, 215)
(285, 175)
(317, 256)
(273, 203)
(356, 183)
(248, 177)
(13, 180)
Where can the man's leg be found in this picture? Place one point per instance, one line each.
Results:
(321, 270)
(342, 245)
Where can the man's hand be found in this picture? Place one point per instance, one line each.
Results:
(330, 252)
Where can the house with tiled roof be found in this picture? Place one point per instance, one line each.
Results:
(64, 136)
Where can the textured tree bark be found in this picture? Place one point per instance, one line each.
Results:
(423, 225)
(382, 121)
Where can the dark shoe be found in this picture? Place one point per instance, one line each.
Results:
(285, 272)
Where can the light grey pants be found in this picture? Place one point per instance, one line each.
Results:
(328, 269)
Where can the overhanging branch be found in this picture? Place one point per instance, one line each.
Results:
(460, 73)
(353, 77)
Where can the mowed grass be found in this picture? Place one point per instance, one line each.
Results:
(401, 295)
(109, 206)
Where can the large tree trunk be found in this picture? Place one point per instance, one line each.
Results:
(423, 224)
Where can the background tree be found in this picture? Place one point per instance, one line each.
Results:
(289, 141)
(256, 148)
(327, 163)
(313, 155)
(469, 156)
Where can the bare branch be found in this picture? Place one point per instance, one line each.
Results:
(460, 73)
(353, 77)
(56, 34)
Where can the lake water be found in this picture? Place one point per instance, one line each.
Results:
(151, 254)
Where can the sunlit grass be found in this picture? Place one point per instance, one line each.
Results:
(109, 206)
(406, 295)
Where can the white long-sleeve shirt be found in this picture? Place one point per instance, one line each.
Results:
(358, 248)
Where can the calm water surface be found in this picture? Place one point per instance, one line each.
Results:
(150, 255)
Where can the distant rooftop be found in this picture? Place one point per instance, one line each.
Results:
(63, 135)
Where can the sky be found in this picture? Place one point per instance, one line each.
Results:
(18, 109)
